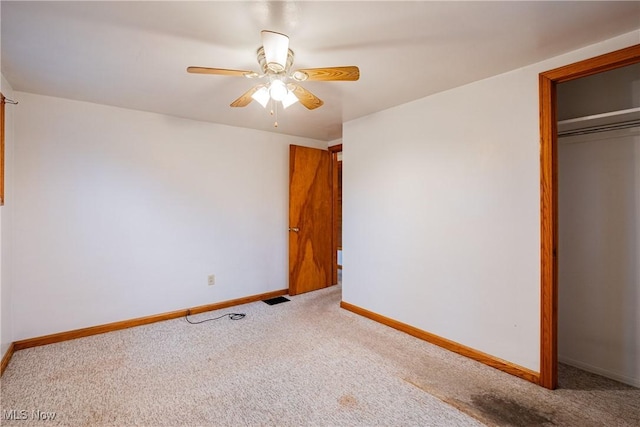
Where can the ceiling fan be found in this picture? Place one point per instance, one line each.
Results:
(281, 85)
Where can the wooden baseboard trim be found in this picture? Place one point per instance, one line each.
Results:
(469, 352)
(110, 327)
(7, 358)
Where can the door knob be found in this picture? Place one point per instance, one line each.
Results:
(295, 229)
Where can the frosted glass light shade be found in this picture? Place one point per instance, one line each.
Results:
(290, 99)
(278, 90)
(262, 96)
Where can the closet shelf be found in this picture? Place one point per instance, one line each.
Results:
(604, 121)
(620, 116)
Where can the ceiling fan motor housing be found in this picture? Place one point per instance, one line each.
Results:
(274, 67)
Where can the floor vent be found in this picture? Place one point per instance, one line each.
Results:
(276, 300)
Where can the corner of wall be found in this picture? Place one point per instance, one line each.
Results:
(334, 142)
(6, 318)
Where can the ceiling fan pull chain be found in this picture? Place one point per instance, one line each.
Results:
(275, 124)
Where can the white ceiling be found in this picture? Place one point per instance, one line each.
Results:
(135, 54)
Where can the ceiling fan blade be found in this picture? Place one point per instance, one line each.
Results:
(350, 73)
(245, 98)
(306, 98)
(276, 49)
(220, 71)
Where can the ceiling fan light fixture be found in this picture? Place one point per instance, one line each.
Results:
(261, 96)
(289, 99)
(276, 61)
(276, 49)
(278, 90)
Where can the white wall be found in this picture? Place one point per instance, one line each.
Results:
(121, 214)
(6, 215)
(441, 211)
(614, 90)
(599, 254)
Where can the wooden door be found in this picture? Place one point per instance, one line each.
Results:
(310, 220)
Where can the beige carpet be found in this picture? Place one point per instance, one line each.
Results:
(302, 362)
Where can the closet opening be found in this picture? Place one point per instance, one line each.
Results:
(599, 224)
(549, 190)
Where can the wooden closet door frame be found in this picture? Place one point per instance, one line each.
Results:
(549, 196)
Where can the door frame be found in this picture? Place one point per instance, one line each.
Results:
(549, 196)
(333, 152)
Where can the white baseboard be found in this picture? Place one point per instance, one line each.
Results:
(635, 382)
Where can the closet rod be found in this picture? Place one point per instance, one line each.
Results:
(603, 128)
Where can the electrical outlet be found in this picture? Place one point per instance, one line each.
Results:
(212, 279)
